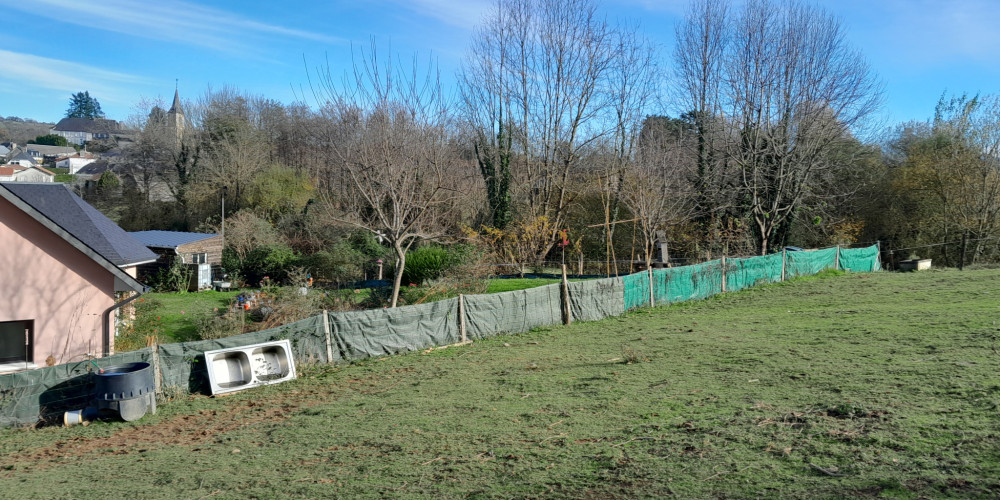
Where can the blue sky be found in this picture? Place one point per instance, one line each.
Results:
(124, 51)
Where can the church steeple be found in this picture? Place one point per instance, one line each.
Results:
(176, 107)
(175, 117)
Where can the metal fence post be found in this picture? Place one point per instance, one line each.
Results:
(782, 264)
(566, 314)
(461, 318)
(652, 296)
(723, 273)
(326, 332)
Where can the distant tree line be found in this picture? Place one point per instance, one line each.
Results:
(560, 145)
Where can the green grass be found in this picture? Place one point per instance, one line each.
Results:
(884, 385)
(509, 284)
(179, 310)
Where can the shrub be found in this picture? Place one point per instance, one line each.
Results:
(427, 263)
(341, 263)
(145, 323)
(273, 260)
(174, 278)
(217, 326)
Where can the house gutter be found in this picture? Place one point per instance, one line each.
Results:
(107, 320)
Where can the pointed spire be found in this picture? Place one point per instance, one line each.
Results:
(176, 107)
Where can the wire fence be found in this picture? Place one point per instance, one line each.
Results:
(30, 397)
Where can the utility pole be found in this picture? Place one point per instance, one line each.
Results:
(225, 189)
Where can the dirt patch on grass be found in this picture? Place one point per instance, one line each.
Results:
(201, 428)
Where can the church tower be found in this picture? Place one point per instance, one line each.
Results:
(175, 117)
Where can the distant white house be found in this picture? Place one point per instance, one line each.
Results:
(24, 160)
(74, 163)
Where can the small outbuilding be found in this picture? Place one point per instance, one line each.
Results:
(202, 252)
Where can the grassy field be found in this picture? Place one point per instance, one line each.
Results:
(179, 310)
(883, 385)
(507, 285)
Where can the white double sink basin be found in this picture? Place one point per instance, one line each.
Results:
(243, 367)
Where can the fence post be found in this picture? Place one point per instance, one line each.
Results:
(157, 376)
(961, 259)
(723, 274)
(836, 260)
(782, 264)
(329, 342)
(652, 296)
(878, 256)
(566, 314)
(461, 318)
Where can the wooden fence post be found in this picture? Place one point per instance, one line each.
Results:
(566, 314)
(652, 296)
(157, 375)
(961, 259)
(461, 318)
(723, 273)
(329, 341)
(836, 260)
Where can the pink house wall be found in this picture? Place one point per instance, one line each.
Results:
(43, 278)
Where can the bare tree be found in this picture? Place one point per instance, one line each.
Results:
(789, 87)
(534, 92)
(699, 55)
(394, 145)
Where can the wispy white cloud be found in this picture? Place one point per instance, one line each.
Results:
(165, 20)
(464, 14)
(30, 71)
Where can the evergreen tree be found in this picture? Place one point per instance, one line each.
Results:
(81, 105)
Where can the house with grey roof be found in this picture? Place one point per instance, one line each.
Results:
(67, 272)
(23, 159)
(81, 130)
(201, 253)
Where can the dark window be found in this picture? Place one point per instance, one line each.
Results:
(17, 342)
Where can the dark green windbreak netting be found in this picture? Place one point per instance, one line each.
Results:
(807, 263)
(859, 259)
(636, 290)
(363, 334)
(753, 271)
(183, 367)
(27, 396)
(592, 300)
(512, 312)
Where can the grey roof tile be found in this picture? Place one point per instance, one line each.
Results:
(83, 221)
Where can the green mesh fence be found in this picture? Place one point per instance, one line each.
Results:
(859, 259)
(807, 263)
(678, 284)
(636, 290)
(27, 396)
(753, 271)
(363, 334)
(45, 393)
(593, 300)
(512, 312)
